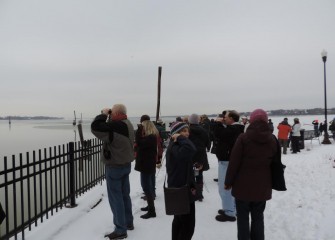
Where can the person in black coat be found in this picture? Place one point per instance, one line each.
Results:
(226, 132)
(146, 164)
(200, 138)
(271, 125)
(179, 167)
(316, 127)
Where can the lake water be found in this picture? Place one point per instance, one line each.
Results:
(28, 135)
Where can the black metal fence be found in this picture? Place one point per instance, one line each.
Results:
(38, 184)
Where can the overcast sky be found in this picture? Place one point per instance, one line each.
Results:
(83, 55)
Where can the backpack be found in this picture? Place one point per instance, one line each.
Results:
(332, 126)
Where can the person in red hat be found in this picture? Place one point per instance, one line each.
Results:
(249, 175)
(316, 127)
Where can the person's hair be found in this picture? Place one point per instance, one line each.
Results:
(149, 128)
(120, 108)
(234, 115)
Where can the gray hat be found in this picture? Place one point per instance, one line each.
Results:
(193, 119)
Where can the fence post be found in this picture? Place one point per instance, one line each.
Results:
(72, 182)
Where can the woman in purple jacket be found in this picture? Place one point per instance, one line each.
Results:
(249, 175)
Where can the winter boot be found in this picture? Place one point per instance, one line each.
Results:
(145, 209)
(151, 209)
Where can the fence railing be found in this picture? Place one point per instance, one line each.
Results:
(37, 184)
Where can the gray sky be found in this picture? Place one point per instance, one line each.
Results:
(83, 55)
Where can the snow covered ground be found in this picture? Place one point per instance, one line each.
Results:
(306, 211)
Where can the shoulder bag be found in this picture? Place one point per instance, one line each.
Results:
(277, 170)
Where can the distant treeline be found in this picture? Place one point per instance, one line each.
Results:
(30, 118)
(292, 112)
(284, 112)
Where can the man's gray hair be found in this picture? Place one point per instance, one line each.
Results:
(120, 108)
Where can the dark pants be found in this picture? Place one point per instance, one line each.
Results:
(148, 182)
(199, 182)
(183, 225)
(200, 178)
(295, 144)
(283, 144)
(256, 210)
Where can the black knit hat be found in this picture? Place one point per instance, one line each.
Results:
(144, 117)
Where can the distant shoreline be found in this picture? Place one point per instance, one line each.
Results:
(279, 112)
(282, 112)
(31, 118)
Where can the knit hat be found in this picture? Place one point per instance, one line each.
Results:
(193, 119)
(258, 114)
(144, 117)
(178, 119)
(177, 127)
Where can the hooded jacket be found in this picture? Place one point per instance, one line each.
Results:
(249, 171)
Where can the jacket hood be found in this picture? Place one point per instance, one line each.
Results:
(196, 129)
(259, 131)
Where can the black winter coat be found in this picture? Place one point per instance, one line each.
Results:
(200, 138)
(146, 154)
(179, 162)
(226, 137)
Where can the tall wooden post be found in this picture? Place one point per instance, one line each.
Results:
(159, 92)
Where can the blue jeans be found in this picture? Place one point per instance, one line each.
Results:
(118, 189)
(148, 184)
(228, 201)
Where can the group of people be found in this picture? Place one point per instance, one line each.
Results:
(291, 134)
(244, 176)
(244, 158)
(322, 127)
(288, 133)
